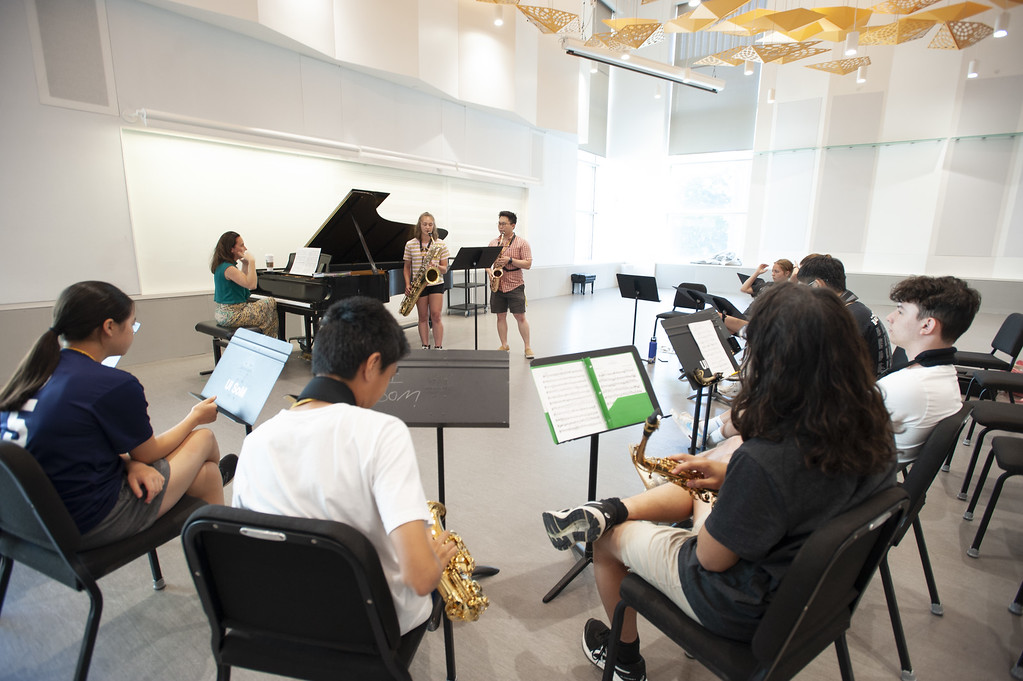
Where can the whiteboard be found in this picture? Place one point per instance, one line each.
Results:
(185, 191)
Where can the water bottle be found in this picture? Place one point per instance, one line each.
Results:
(652, 352)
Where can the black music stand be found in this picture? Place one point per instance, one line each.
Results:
(637, 287)
(474, 258)
(691, 355)
(431, 390)
(558, 380)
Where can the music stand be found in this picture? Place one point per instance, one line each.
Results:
(705, 348)
(637, 287)
(474, 258)
(453, 389)
(563, 383)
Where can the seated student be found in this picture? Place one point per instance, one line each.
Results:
(87, 423)
(931, 313)
(796, 468)
(780, 271)
(331, 457)
(231, 288)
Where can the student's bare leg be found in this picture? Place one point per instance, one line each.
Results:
(194, 471)
(436, 303)
(502, 328)
(423, 309)
(520, 319)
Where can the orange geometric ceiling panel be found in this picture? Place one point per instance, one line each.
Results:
(548, 20)
(725, 58)
(902, 6)
(956, 12)
(958, 35)
(895, 33)
(841, 66)
(792, 19)
(637, 35)
(843, 18)
(775, 52)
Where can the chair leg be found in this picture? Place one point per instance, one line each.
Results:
(612, 641)
(6, 565)
(981, 479)
(844, 661)
(1017, 671)
(974, 551)
(91, 629)
(1016, 607)
(154, 566)
(969, 433)
(925, 561)
(973, 464)
(896, 618)
(223, 672)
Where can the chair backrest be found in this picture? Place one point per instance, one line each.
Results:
(928, 462)
(683, 299)
(1009, 338)
(35, 526)
(315, 583)
(814, 604)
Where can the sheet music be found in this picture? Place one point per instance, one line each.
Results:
(306, 260)
(567, 396)
(617, 376)
(707, 339)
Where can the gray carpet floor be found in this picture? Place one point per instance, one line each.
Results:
(497, 483)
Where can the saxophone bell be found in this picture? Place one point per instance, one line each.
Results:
(662, 468)
(463, 597)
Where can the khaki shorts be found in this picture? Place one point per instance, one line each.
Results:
(651, 551)
(130, 515)
(504, 301)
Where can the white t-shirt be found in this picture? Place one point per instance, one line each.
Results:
(344, 463)
(917, 398)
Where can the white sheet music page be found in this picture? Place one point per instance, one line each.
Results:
(617, 376)
(707, 339)
(306, 260)
(567, 396)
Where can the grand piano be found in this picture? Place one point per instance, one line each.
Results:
(366, 253)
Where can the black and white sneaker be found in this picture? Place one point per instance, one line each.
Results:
(580, 524)
(595, 636)
(227, 466)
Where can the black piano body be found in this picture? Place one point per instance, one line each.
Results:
(366, 259)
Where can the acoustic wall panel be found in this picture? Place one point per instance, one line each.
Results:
(974, 195)
(855, 118)
(72, 52)
(788, 197)
(796, 124)
(843, 200)
(991, 106)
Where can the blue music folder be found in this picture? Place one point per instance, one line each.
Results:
(245, 374)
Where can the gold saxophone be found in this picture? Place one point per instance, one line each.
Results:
(663, 467)
(426, 276)
(463, 597)
(498, 272)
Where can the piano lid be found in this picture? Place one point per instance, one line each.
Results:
(355, 232)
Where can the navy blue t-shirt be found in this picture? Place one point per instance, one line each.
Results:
(77, 426)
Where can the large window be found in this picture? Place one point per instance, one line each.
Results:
(708, 204)
(585, 205)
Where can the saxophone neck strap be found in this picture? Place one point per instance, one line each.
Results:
(326, 389)
(929, 358)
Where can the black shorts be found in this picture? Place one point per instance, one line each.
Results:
(505, 301)
(430, 290)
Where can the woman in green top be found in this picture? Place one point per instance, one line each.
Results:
(231, 286)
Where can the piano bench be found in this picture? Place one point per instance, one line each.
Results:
(582, 280)
(222, 335)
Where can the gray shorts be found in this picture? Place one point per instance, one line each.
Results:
(651, 551)
(130, 515)
(514, 300)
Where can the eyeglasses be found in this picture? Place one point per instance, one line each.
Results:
(504, 224)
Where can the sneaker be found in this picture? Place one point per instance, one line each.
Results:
(529, 353)
(684, 420)
(580, 524)
(504, 347)
(437, 347)
(228, 464)
(426, 347)
(595, 636)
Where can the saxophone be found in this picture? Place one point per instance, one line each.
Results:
(498, 272)
(647, 468)
(426, 276)
(462, 595)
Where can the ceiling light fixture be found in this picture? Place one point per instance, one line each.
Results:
(1001, 25)
(971, 71)
(852, 42)
(747, 68)
(498, 15)
(648, 67)
(861, 75)
(770, 96)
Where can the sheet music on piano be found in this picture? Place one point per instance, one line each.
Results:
(306, 260)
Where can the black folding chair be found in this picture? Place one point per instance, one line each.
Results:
(296, 597)
(37, 530)
(811, 609)
(682, 299)
(1008, 340)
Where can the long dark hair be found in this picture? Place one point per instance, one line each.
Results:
(80, 309)
(807, 375)
(222, 252)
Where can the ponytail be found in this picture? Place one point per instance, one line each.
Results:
(80, 309)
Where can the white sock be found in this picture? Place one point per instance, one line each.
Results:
(716, 437)
(715, 424)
